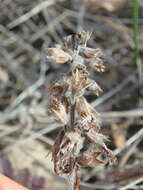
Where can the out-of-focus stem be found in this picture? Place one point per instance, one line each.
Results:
(136, 32)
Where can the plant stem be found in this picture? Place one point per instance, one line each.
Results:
(136, 32)
(72, 114)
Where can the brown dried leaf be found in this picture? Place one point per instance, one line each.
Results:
(96, 138)
(90, 159)
(56, 145)
(83, 108)
(90, 52)
(97, 65)
(57, 55)
(58, 89)
(79, 83)
(58, 110)
(94, 87)
(86, 117)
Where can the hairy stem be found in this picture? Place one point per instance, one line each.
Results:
(72, 114)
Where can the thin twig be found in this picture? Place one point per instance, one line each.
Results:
(129, 153)
(35, 135)
(31, 89)
(132, 184)
(129, 141)
(37, 9)
(113, 91)
(129, 113)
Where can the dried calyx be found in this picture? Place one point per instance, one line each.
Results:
(69, 108)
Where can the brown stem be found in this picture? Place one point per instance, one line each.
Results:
(72, 114)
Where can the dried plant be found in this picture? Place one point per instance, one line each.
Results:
(69, 108)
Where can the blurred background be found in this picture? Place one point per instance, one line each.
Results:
(27, 28)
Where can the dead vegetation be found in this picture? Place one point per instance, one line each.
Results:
(27, 28)
(69, 108)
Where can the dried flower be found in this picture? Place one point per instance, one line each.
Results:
(69, 107)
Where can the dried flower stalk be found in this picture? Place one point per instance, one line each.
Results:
(69, 107)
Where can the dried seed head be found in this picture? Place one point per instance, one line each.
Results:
(68, 106)
(74, 51)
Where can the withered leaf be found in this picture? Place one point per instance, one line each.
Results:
(58, 110)
(57, 55)
(97, 65)
(89, 159)
(90, 52)
(94, 87)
